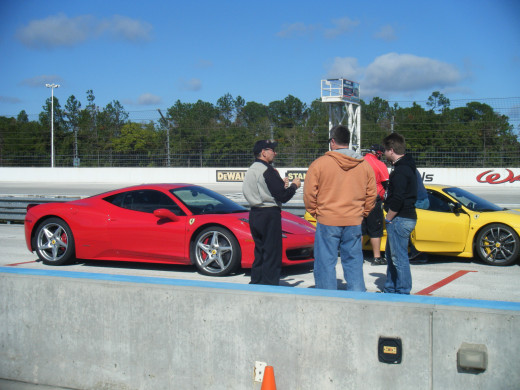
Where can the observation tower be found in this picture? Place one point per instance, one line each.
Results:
(342, 96)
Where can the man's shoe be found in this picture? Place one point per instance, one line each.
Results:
(379, 261)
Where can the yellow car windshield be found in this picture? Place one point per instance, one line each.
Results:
(471, 201)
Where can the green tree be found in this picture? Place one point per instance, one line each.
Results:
(194, 124)
(376, 120)
(136, 138)
(318, 117)
(34, 141)
(109, 123)
(203, 134)
(88, 132)
(23, 143)
(72, 116)
(377, 111)
(8, 131)
(288, 112)
(490, 135)
(45, 116)
(438, 102)
(226, 109)
(239, 106)
(62, 141)
(22, 117)
(254, 113)
(420, 129)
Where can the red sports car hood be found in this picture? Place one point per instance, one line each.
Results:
(296, 225)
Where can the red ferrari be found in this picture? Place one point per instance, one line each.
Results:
(157, 223)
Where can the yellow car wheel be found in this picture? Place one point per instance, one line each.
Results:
(497, 244)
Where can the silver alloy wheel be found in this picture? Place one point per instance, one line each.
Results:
(215, 251)
(498, 244)
(53, 240)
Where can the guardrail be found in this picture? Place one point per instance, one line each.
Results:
(13, 208)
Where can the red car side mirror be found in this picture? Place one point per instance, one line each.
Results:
(164, 213)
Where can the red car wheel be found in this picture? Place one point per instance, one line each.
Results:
(215, 251)
(54, 242)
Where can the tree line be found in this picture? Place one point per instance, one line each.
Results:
(203, 134)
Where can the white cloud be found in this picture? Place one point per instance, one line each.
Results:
(60, 30)
(341, 26)
(299, 29)
(193, 84)
(296, 30)
(204, 64)
(40, 81)
(53, 31)
(346, 67)
(127, 29)
(395, 73)
(147, 99)
(386, 33)
(9, 100)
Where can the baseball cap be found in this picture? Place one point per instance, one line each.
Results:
(264, 144)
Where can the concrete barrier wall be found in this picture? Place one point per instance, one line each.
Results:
(92, 331)
(485, 177)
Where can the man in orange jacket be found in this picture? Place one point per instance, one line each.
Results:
(339, 191)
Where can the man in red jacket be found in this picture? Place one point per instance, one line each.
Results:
(373, 223)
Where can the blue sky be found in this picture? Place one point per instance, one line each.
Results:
(149, 54)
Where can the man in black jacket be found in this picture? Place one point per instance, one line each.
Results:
(265, 191)
(401, 216)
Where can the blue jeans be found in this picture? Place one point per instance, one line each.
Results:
(423, 204)
(346, 239)
(398, 275)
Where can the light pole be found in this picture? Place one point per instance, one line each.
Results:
(52, 86)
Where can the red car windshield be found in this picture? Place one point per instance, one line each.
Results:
(200, 200)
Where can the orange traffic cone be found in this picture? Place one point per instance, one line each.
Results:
(268, 382)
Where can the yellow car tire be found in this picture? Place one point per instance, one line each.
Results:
(497, 244)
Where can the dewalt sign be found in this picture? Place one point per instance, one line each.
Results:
(230, 175)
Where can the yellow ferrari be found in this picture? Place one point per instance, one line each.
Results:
(459, 223)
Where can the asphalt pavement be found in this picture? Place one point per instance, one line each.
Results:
(441, 276)
(455, 277)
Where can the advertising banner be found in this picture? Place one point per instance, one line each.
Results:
(492, 178)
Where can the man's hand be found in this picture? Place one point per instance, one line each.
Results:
(297, 182)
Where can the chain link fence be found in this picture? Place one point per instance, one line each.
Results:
(299, 146)
(432, 159)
